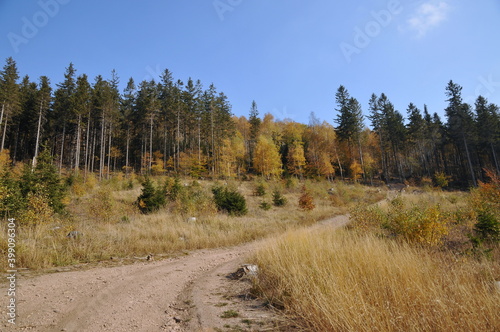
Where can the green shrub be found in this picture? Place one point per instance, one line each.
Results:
(260, 190)
(265, 206)
(487, 227)
(150, 199)
(441, 179)
(230, 201)
(173, 189)
(44, 180)
(278, 199)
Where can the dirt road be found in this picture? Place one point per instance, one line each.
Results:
(188, 293)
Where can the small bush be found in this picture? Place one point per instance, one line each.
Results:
(265, 206)
(260, 190)
(485, 204)
(101, 205)
(278, 199)
(487, 227)
(229, 314)
(418, 224)
(230, 201)
(173, 189)
(151, 199)
(306, 201)
(441, 179)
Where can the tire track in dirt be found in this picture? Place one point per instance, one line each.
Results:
(178, 294)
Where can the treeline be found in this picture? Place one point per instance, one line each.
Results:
(176, 127)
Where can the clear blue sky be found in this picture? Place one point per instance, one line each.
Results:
(289, 56)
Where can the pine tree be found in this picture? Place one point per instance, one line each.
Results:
(127, 121)
(43, 99)
(44, 181)
(255, 123)
(24, 124)
(83, 106)
(460, 125)
(488, 129)
(64, 110)
(416, 129)
(9, 96)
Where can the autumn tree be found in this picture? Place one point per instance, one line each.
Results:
(266, 160)
(320, 149)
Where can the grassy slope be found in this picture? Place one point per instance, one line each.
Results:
(107, 216)
(369, 279)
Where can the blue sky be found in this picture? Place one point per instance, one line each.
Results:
(290, 56)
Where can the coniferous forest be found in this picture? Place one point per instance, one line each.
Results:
(184, 128)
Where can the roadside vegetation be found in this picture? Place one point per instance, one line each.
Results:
(133, 216)
(426, 262)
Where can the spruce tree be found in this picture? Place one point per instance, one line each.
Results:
(460, 126)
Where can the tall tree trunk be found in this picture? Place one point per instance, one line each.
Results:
(178, 136)
(474, 182)
(92, 152)
(87, 147)
(4, 131)
(340, 165)
(38, 135)
(151, 144)
(382, 158)
(495, 158)
(62, 148)
(109, 149)
(165, 152)
(199, 140)
(361, 158)
(1, 121)
(78, 144)
(127, 150)
(213, 139)
(102, 151)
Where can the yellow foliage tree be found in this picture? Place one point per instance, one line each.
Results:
(157, 167)
(232, 156)
(267, 159)
(191, 165)
(356, 170)
(296, 159)
(325, 166)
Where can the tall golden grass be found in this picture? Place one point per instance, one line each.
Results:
(344, 281)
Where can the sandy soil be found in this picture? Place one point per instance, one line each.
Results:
(187, 293)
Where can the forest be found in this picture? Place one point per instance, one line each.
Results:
(171, 127)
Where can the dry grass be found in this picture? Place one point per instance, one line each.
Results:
(113, 227)
(340, 281)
